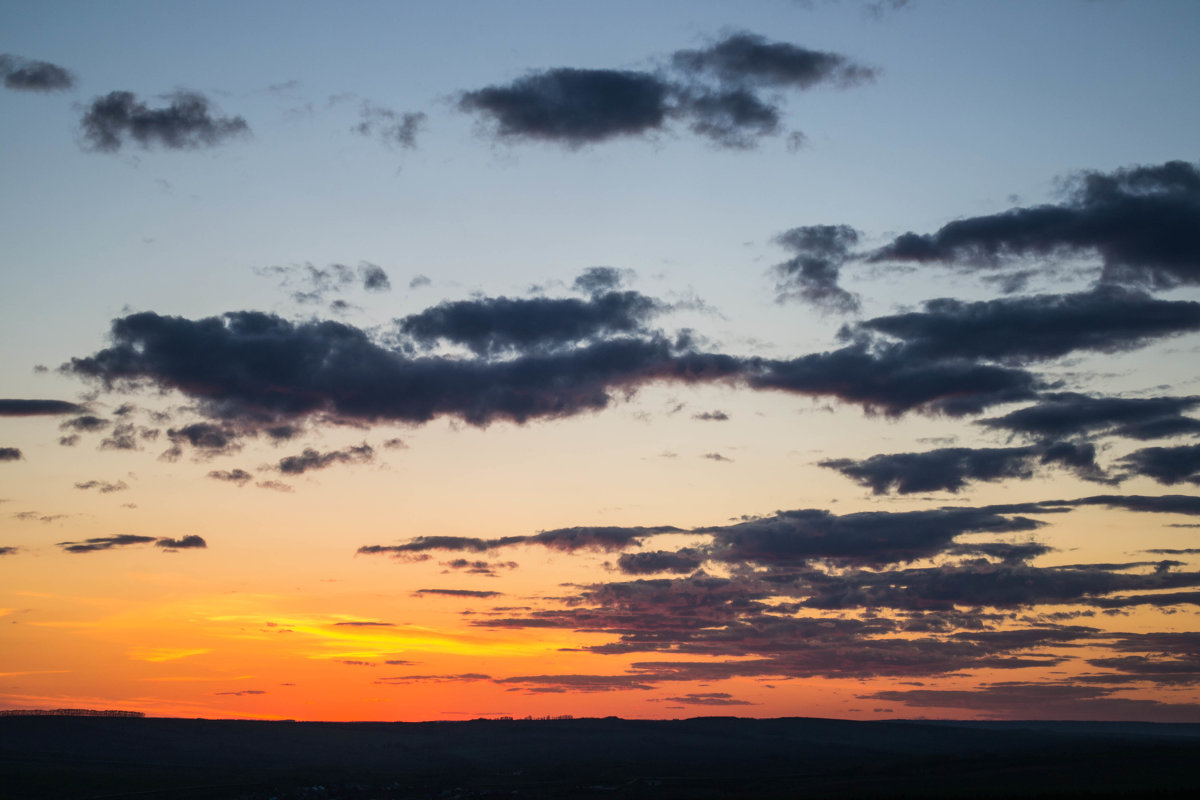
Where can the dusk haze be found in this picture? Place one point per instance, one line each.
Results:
(431, 362)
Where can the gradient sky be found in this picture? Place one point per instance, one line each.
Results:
(432, 361)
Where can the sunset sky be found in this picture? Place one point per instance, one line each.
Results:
(410, 361)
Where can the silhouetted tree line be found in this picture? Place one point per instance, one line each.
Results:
(68, 712)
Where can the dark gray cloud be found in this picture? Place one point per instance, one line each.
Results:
(1066, 414)
(708, 699)
(187, 123)
(26, 75)
(496, 325)
(952, 468)
(30, 408)
(99, 543)
(600, 280)
(718, 92)
(712, 416)
(374, 278)
(311, 459)
(238, 476)
(746, 59)
(649, 563)
(189, 542)
(457, 593)
(1169, 465)
(1141, 221)
(10, 454)
(574, 106)
(206, 438)
(891, 381)
(9, 551)
(567, 540)
(391, 127)
(104, 543)
(104, 487)
(1107, 319)
(812, 273)
(86, 423)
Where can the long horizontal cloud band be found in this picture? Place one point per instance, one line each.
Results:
(257, 368)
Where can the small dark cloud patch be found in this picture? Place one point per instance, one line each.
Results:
(708, 699)
(746, 59)
(238, 476)
(717, 457)
(9, 551)
(456, 593)
(952, 468)
(104, 487)
(311, 459)
(1107, 319)
(712, 416)
(69, 441)
(374, 278)
(189, 542)
(206, 438)
(34, 516)
(275, 486)
(812, 273)
(389, 126)
(1168, 465)
(10, 454)
(601, 280)
(573, 106)
(648, 563)
(1141, 221)
(498, 325)
(86, 423)
(1061, 415)
(125, 436)
(395, 444)
(478, 567)
(242, 693)
(104, 543)
(99, 543)
(10, 407)
(419, 282)
(364, 624)
(186, 123)
(27, 75)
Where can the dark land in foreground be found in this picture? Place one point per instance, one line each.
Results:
(714, 757)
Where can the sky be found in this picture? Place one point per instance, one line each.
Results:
(405, 361)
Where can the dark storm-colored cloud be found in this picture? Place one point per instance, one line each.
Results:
(1162, 504)
(457, 593)
(189, 542)
(500, 324)
(392, 127)
(649, 563)
(104, 487)
(1066, 414)
(10, 454)
(751, 60)
(1141, 221)
(27, 75)
(1107, 319)
(574, 106)
(952, 468)
(811, 274)
(718, 92)
(187, 123)
(1018, 700)
(207, 438)
(890, 381)
(311, 459)
(104, 543)
(600, 280)
(238, 476)
(262, 369)
(30, 408)
(868, 538)
(1169, 465)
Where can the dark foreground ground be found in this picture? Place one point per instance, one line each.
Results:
(90, 757)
